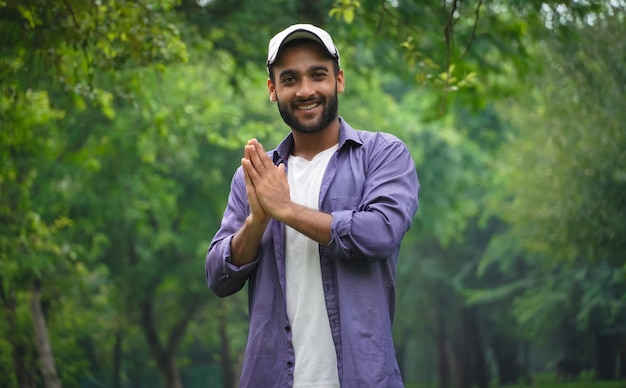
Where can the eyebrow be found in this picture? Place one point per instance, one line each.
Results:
(311, 69)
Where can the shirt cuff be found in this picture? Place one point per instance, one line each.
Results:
(236, 271)
(340, 226)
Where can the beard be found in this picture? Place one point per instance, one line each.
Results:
(329, 113)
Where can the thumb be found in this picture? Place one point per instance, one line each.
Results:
(282, 168)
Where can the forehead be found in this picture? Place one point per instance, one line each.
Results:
(302, 53)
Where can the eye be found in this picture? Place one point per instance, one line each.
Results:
(319, 75)
(288, 80)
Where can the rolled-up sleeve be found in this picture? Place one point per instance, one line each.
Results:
(223, 277)
(372, 227)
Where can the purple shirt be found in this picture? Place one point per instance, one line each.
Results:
(370, 187)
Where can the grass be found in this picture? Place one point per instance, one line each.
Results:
(548, 381)
(575, 384)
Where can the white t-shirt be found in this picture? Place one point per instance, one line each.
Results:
(315, 357)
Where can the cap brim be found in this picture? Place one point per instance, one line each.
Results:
(300, 31)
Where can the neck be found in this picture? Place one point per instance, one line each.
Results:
(307, 145)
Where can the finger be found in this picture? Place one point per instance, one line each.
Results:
(246, 175)
(253, 142)
(256, 158)
(258, 146)
(249, 170)
(246, 152)
(247, 147)
(262, 154)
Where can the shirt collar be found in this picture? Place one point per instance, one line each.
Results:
(347, 135)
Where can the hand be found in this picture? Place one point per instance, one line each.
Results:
(257, 212)
(268, 182)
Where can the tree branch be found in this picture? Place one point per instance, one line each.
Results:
(449, 29)
(72, 14)
(473, 36)
(178, 331)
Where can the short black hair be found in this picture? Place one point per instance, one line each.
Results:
(298, 42)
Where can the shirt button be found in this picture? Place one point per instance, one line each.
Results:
(287, 328)
(289, 364)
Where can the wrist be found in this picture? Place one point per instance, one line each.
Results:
(255, 222)
(286, 211)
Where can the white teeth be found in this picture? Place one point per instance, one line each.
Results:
(306, 107)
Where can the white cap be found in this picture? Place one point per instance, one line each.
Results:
(300, 31)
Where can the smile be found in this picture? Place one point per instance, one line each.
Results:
(307, 107)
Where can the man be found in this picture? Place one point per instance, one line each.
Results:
(314, 227)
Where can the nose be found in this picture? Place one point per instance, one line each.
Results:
(306, 88)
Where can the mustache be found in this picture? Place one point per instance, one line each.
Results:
(310, 100)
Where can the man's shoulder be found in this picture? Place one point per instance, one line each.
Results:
(369, 137)
(377, 136)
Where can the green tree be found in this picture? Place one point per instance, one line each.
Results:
(115, 164)
(559, 185)
(54, 47)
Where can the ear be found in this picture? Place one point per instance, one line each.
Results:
(341, 82)
(271, 89)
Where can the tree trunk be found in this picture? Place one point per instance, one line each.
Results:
(443, 365)
(20, 351)
(228, 375)
(606, 356)
(454, 378)
(473, 369)
(44, 350)
(622, 357)
(164, 357)
(117, 360)
(509, 369)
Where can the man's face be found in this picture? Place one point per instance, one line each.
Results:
(306, 88)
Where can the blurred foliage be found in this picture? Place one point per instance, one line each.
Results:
(121, 123)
